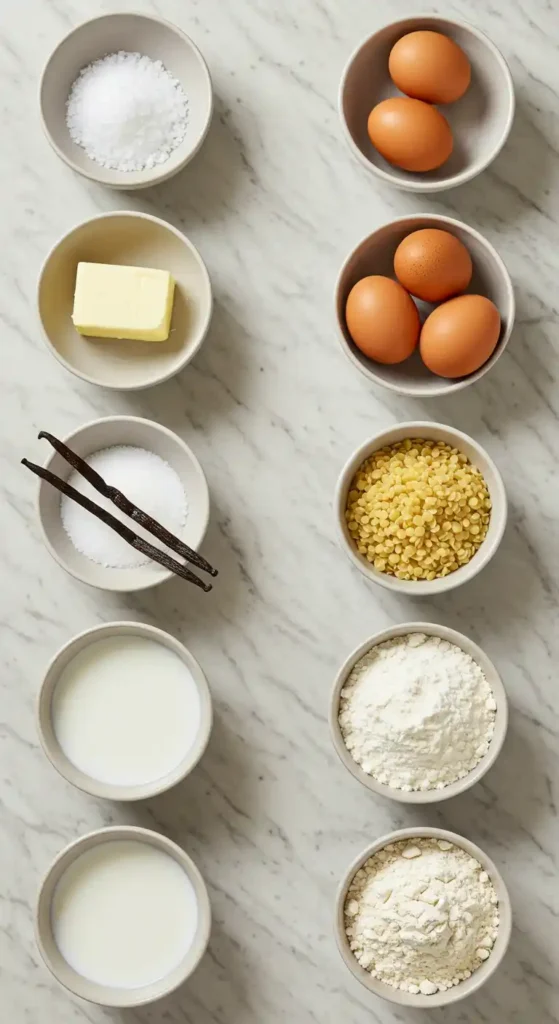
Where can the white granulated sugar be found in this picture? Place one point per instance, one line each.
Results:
(417, 713)
(143, 477)
(127, 112)
(421, 916)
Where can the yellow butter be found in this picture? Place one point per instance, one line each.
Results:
(133, 303)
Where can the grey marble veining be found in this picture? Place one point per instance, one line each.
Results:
(275, 201)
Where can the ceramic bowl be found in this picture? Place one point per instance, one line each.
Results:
(429, 796)
(133, 33)
(130, 239)
(480, 121)
(478, 457)
(479, 976)
(104, 995)
(139, 433)
(46, 727)
(375, 255)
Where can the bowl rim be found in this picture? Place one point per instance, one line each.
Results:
(163, 175)
(187, 356)
(161, 842)
(430, 796)
(477, 979)
(420, 588)
(54, 752)
(165, 574)
(445, 387)
(454, 180)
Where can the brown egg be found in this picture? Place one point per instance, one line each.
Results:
(382, 319)
(433, 264)
(429, 66)
(410, 134)
(459, 336)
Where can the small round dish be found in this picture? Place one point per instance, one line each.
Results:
(477, 456)
(375, 255)
(480, 121)
(46, 727)
(129, 239)
(104, 995)
(133, 33)
(478, 977)
(140, 433)
(429, 796)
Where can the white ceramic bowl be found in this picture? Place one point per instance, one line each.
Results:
(102, 994)
(479, 976)
(46, 730)
(140, 433)
(480, 121)
(130, 239)
(134, 33)
(429, 796)
(478, 457)
(375, 255)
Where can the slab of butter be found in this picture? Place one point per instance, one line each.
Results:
(133, 303)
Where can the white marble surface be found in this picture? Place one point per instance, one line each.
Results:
(274, 202)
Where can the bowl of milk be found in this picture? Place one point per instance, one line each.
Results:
(124, 711)
(123, 917)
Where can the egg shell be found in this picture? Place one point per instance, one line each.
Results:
(460, 335)
(410, 134)
(382, 319)
(433, 264)
(429, 66)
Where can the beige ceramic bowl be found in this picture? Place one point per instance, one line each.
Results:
(429, 796)
(130, 239)
(480, 121)
(46, 727)
(375, 255)
(465, 988)
(102, 994)
(478, 457)
(134, 33)
(140, 433)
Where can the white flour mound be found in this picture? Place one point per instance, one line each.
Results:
(421, 916)
(417, 713)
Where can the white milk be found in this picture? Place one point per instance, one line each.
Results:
(126, 710)
(124, 914)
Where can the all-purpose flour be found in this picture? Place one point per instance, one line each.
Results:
(417, 712)
(421, 915)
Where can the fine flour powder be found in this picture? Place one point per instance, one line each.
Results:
(421, 916)
(417, 713)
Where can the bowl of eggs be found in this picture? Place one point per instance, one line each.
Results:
(426, 103)
(424, 305)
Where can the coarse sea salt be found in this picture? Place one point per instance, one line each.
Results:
(147, 480)
(127, 112)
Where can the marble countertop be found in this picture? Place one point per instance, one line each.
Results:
(275, 202)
